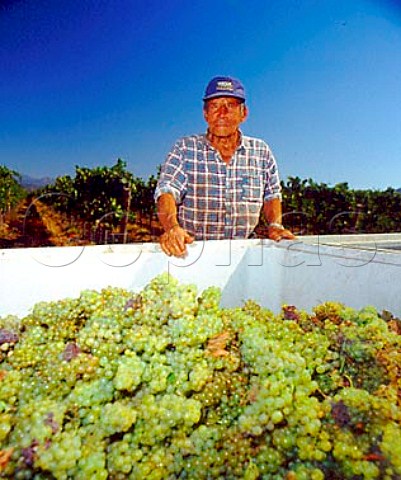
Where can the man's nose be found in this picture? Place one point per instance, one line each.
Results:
(223, 108)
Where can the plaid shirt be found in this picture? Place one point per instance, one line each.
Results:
(217, 200)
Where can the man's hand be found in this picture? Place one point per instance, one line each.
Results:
(173, 242)
(277, 234)
(272, 213)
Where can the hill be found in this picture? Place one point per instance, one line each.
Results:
(33, 183)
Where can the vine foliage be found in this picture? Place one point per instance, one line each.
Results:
(11, 191)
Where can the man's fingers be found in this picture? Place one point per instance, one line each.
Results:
(174, 241)
(179, 242)
(165, 249)
(287, 235)
(281, 234)
(188, 238)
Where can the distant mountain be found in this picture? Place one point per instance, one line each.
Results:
(33, 183)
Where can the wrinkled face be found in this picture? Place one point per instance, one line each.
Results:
(224, 115)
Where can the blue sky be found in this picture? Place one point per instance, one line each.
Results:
(84, 82)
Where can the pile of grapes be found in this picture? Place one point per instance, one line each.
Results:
(165, 384)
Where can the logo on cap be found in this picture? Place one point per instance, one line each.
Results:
(224, 85)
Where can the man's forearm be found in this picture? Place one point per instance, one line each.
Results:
(273, 215)
(167, 211)
(272, 211)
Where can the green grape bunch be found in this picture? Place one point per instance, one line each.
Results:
(166, 384)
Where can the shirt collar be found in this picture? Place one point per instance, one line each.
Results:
(242, 141)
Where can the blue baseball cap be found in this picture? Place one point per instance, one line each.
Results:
(224, 87)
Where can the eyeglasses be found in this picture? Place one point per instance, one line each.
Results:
(215, 105)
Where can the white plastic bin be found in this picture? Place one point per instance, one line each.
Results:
(305, 272)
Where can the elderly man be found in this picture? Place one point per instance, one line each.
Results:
(213, 186)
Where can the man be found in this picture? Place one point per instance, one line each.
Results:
(213, 186)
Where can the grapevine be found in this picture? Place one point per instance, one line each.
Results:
(166, 384)
(11, 191)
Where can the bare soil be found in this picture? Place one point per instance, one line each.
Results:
(35, 224)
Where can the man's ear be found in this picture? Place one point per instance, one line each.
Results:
(245, 112)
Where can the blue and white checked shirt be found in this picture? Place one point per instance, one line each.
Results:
(217, 200)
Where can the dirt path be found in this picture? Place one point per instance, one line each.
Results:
(25, 228)
(36, 224)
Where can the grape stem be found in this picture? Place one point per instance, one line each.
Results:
(349, 380)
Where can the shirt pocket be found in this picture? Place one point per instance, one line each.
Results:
(252, 187)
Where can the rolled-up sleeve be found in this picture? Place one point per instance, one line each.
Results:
(173, 178)
(272, 182)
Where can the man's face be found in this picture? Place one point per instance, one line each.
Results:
(224, 115)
